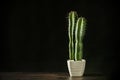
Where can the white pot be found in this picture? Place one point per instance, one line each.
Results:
(76, 68)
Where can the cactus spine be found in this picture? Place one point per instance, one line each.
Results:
(76, 32)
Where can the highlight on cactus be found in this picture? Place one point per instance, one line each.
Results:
(76, 32)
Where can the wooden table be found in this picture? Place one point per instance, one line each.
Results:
(45, 76)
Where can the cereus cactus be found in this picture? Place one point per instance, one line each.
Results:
(76, 32)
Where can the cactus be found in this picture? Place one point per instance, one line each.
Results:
(71, 29)
(76, 32)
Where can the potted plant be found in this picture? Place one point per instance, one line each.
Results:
(76, 32)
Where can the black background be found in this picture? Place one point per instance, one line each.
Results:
(34, 35)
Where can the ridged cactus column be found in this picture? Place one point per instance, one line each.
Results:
(79, 34)
(71, 29)
(76, 31)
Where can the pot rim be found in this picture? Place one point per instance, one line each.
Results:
(83, 60)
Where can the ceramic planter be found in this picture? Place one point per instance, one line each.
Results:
(76, 68)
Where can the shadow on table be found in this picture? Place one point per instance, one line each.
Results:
(89, 77)
(86, 78)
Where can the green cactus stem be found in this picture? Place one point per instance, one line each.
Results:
(76, 32)
(71, 29)
(79, 35)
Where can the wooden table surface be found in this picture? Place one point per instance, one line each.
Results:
(45, 76)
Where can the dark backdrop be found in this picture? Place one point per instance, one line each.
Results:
(34, 35)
